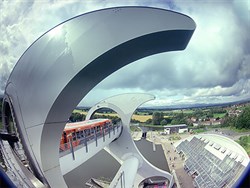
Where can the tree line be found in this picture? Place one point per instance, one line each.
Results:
(158, 118)
(76, 117)
(239, 122)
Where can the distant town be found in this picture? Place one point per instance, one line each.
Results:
(234, 117)
(231, 117)
(175, 134)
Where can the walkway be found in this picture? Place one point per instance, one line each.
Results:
(175, 162)
(87, 148)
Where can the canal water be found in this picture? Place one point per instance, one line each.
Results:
(104, 166)
(157, 157)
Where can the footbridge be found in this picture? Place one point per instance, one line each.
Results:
(61, 67)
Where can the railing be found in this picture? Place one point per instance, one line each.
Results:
(121, 178)
(16, 174)
(83, 140)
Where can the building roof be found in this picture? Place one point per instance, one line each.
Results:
(221, 146)
(175, 126)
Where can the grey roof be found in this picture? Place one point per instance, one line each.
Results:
(176, 126)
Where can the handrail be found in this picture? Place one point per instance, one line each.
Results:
(84, 140)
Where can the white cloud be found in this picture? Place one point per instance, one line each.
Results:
(214, 67)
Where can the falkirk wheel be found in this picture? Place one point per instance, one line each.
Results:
(65, 63)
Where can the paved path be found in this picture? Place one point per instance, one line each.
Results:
(175, 162)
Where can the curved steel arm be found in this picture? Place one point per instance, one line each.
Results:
(64, 64)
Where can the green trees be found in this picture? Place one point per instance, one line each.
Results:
(75, 116)
(240, 122)
(164, 122)
(244, 141)
(157, 117)
(243, 121)
(149, 121)
(174, 122)
(198, 113)
(218, 110)
(210, 114)
(179, 118)
(229, 121)
(175, 117)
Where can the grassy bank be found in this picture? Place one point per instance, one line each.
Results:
(244, 141)
(201, 130)
(239, 130)
(219, 115)
(134, 128)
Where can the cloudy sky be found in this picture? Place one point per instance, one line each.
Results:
(214, 68)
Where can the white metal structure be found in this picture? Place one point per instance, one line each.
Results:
(124, 148)
(64, 64)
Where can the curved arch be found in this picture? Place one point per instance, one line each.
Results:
(64, 64)
(97, 107)
(124, 147)
(124, 105)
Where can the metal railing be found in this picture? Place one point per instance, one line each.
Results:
(16, 174)
(120, 179)
(83, 140)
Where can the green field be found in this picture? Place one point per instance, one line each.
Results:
(219, 115)
(200, 130)
(184, 111)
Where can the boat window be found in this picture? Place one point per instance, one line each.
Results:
(74, 136)
(82, 133)
(78, 135)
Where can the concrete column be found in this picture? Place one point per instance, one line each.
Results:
(126, 174)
